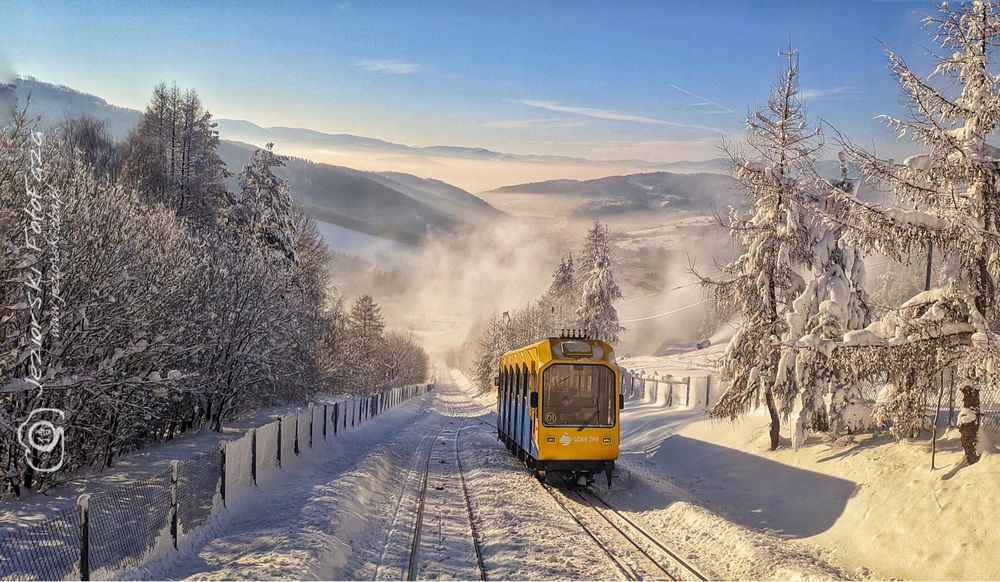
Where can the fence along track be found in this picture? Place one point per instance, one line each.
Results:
(123, 523)
(588, 496)
(413, 562)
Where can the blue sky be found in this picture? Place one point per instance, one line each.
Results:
(659, 80)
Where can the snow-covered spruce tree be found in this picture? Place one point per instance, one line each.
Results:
(762, 283)
(833, 302)
(948, 196)
(562, 294)
(365, 326)
(489, 347)
(263, 206)
(596, 313)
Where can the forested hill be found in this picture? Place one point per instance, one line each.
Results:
(391, 205)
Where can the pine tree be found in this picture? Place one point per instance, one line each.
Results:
(490, 345)
(948, 197)
(365, 325)
(833, 302)
(562, 295)
(597, 314)
(762, 283)
(263, 206)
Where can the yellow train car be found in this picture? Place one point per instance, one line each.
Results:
(558, 403)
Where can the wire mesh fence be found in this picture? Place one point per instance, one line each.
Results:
(121, 527)
(44, 549)
(947, 387)
(637, 385)
(126, 521)
(197, 484)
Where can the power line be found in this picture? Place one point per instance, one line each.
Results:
(672, 311)
(661, 292)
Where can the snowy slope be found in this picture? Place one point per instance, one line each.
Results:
(874, 506)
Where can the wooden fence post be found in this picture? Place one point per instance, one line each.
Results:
(312, 415)
(296, 443)
(253, 455)
(687, 399)
(279, 441)
(222, 471)
(326, 412)
(83, 503)
(174, 525)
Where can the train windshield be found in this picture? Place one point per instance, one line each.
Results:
(578, 395)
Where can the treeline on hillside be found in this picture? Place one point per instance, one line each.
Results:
(578, 299)
(142, 298)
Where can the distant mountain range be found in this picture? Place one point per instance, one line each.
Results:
(253, 133)
(391, 205)
(654, 191)
(402, 206)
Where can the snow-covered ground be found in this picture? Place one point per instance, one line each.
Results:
(873, 507)
(709, 490)
(349, 514)
(343, 515)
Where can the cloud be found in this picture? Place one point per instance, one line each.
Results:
(611, 115)
(391, 67)
(829, 93)
(534, 123)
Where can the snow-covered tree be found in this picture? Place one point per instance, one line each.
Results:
(762, 283)
(172, 155)
(489, 344)
(948, 196)
(833, 302)
(365, 325)
(596, 314)
(165, 322)
(563, 294)
(263, 206)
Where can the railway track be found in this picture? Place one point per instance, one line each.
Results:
(439, 544)
(645, 557)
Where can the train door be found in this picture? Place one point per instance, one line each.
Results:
(533, 409)
(522, 430)
(508, 378)
(518, 414)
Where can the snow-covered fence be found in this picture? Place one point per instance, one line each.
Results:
(669, 391)
(122, 527)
